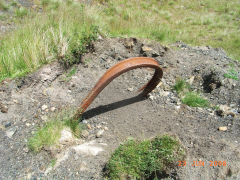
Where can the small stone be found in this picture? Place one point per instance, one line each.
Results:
(26, 150)
(223, 128)
(146, 49)
(8, 124)
(190, 81)
(98, 126)
(11, 132)
(15, 101)
(151, 97)
(89, 126)
(66, 136)
(28, 124)
(232, 114)
(44, 107)
(130, 89)
(100, 133)
(105, 128)
(53, 109)
(84, 133)
(4, 109)
(177, 108)
(44, 118)
(84, 121)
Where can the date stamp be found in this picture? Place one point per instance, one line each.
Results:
(201, 163)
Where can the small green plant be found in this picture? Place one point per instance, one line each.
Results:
(21, 12)
(181, 85)
(46, 135)
(232, 74)
(144, 159)
(50, 132)
(72, 72)
(193, 99)
(53, 162)
(3, 6)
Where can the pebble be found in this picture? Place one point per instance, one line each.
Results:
(28, 124)
(44, 118)
(53, 109)
(130, 89)
(44, 107)
(89, 126)
(15, 101)
(223, 128)
(84, 133)
(84, 121)
(151, 97)
(105, 128)
(8, 124)
(4, 109)
(100, 133)
(11, 132)
(146, 48)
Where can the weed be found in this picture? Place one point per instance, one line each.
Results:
(232, 74)
(3, 6)
(194, 100)
(53, 162)
(21, 12)
(72, 72)
(181, 85)
(46, 136)
(144, 159)
(50, 132)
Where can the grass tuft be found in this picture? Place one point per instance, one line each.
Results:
(232, 74)
(181, 85)
(63, 34)
(3, 5)
(144, 159)
(46, 136)
(50, 132)
(194, 100)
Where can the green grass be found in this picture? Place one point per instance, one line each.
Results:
(232, 74)
(64, 31)
(50, 132)
(194, 100)
(206, 22)
(187, 96)
(63, 34)
(53, 162)
(3, 5)
(144, 159)
(181, 86)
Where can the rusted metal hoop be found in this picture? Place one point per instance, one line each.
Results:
(117, 70)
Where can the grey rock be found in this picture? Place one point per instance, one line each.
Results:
(11, 132)
(100, 133)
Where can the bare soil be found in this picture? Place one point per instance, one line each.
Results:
(121, 114)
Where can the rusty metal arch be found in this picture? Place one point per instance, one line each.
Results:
(117, 70)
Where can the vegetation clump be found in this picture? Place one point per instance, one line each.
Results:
(232, 74)
(193, 99)
(50, 132)
(187, 96)
(144, 159)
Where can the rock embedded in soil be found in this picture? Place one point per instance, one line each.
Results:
(222, 128)
(11, 132)
(44, 107)
(85, 133)
(100, 133)
(3, 108)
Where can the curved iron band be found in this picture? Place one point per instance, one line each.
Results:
(117, 70)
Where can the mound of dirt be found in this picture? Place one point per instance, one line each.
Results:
(117, 113)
